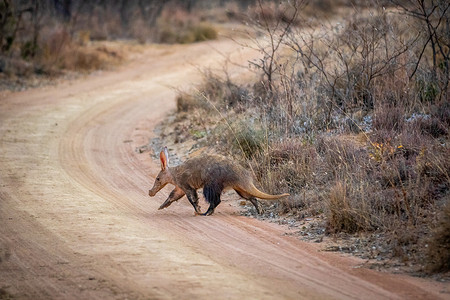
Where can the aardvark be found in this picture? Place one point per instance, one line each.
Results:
(212, 172)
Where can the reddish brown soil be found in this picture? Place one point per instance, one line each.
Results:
(76, 220)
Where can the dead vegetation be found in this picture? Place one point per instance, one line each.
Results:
(351, 119)
(41, 40)
(348, 114)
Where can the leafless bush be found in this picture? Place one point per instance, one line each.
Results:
(352, 58)
(433, 20)
(388, 119)
(275, 22)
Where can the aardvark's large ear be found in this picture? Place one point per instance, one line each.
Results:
(164, 157)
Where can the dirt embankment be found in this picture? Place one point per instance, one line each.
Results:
(76, 221)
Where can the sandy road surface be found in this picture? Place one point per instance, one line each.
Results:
(76, 221)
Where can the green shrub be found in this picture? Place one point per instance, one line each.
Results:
(428, 90)
(249, 139)
(188, 102)
(204, 32)
(184, 31)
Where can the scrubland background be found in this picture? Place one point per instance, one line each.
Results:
(347, 108)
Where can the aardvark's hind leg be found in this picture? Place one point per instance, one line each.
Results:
(253, 200)
(257, 204)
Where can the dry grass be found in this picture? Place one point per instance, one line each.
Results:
(439, 244)
(360, 143)
(176, 25)
(57, 53)
(376, 162)
(343, 124)
(342, 216)
(37, 42)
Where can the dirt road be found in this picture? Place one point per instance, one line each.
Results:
(76, 221)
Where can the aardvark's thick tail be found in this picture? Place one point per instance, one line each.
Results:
(252, 190)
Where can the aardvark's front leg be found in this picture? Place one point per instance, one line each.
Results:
(175, 195)
(192, 195)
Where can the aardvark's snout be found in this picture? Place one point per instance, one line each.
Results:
(151, 193)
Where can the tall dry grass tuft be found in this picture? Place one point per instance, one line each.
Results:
(439, 244)
(343, 217)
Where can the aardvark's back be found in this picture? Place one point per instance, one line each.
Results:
(207, 168)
